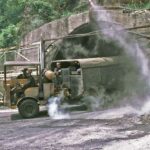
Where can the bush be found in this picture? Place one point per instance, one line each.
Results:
(8, 37)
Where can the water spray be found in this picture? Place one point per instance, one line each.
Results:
(91, 3)
(117, 34)
(54, 110)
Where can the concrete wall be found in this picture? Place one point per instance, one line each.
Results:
(56, 29)
(65, 26)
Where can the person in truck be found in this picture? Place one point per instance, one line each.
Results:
(57, 71)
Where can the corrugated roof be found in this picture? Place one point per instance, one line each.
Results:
(93, 62)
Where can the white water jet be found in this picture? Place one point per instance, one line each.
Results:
(91, 3)
(146, 107)
(115, 32)
(54, 110)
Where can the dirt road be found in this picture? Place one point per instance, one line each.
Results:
(115, 129)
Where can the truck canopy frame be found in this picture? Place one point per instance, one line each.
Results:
(18, 63)
(92, 62)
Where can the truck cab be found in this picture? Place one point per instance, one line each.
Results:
(87, 76)
(27, 101)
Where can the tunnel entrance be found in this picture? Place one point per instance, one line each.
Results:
(88, 46)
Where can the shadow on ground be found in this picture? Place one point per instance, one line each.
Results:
(17, 116)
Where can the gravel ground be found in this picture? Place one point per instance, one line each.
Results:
(109, 130)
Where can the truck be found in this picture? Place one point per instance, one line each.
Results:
(79, 77)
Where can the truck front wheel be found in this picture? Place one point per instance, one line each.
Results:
(28, 108)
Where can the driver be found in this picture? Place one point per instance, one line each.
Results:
(30, 80)
(19, 90)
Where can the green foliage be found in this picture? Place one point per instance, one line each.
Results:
(14, 11)
(18, 17)
(139, 5)
(8, 36)
(147, 6)
(43, 8)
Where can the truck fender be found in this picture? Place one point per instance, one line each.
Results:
(24, 98)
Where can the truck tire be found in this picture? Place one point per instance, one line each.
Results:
(28, 108)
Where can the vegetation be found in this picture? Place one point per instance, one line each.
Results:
(18, 17)
(140, 5)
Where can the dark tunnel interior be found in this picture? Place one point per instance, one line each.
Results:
(87, 46)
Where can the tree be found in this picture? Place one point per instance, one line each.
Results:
(8, 36)
(18, 17)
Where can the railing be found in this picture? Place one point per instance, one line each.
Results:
(30, 53)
